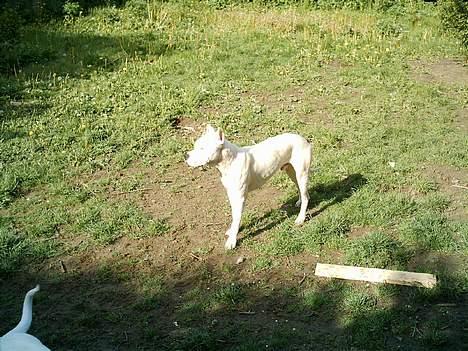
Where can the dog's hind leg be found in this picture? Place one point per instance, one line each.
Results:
(301, 165)
(289, 169)
(302, 179)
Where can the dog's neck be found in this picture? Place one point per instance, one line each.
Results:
(228, 154)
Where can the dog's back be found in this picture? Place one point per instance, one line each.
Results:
(275, 152)
(21, 342)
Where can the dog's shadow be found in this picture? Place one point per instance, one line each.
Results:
(331, 193)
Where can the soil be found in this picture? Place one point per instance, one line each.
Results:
(454, 183)
(442, 72)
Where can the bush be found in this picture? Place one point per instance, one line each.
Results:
(347, 4)
(71, 9)
(10, 24)
(454, 17)
(44, 10)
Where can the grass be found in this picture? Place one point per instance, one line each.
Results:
(376, 250)
(90, 118)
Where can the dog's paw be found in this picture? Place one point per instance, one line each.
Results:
(230, 243)
(298, 203)
(299, 221)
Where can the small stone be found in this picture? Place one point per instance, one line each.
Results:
(240, 260)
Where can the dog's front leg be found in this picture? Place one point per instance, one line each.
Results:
(236, 199)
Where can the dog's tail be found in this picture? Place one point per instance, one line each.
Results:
(26, 317)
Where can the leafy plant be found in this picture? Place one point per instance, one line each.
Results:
(71, 10)
(454, 16)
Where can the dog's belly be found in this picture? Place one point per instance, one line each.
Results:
(256, 182)
(262, 171)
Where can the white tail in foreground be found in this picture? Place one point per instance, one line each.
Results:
(17, 339)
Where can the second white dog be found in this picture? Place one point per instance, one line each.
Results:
(18, 338)
(247, 168)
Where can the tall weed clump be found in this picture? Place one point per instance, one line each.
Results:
(379, 5)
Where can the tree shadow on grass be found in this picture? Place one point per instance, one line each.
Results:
(115, 304)
(47, 60)
(48, 54)
(332, 193)
(112, 307)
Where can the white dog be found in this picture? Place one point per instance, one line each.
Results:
(17, 339)
(247, 168)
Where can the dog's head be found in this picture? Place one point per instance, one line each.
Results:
(207, 148)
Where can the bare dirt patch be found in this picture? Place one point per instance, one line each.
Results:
(461, 119)
(444, 72)
(297, 101)
(186, 125)
(435, 261)
(359, 232)
(453, 182)
(190, 257)
(194, 204)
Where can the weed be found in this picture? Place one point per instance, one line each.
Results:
(17, 250)
(377, 250)
(229, 295)
(359, 302)
(261, 263)
(327, 230)
(9, 185)
(429, 231)
(314, 299)
(13, 249)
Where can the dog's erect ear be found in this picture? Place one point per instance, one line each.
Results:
(210, 129)
(221, 136)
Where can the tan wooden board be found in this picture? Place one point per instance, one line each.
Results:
(376, 275)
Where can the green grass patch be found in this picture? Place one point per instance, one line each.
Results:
(429, 231)
(105, 223)
(377, 250)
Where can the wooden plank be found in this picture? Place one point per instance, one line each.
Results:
(376, 275)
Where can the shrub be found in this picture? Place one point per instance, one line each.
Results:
(71, 9)
(10, 24)
(44, 10)
(454, 17)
